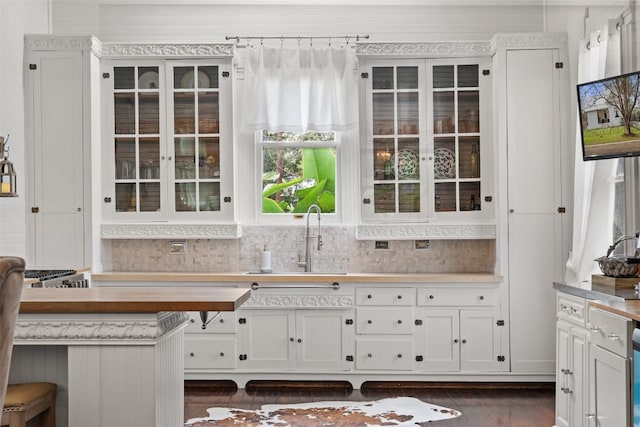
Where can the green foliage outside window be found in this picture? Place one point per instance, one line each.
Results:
(295, 177)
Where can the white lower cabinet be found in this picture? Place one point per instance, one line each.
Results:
(213, 346)
(299, 339)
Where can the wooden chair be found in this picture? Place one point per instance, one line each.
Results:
(21, 402)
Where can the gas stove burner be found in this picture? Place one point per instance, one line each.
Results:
(47, 274)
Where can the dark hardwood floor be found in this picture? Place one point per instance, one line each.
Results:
(481, 404)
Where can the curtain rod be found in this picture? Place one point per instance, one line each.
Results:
(357, 37)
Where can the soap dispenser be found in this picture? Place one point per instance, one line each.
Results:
(266, 260)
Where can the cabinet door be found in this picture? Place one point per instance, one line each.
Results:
(563, 364)
(578, 375)
(57, 160)
(321, 340)
(268, 339)
(609, 389)
(438, 340)
(479, 341)
(534, 195)
(394, 149)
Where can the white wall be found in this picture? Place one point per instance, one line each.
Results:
(17, 17)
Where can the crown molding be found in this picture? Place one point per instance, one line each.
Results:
(425, 231)
(170, 50)
(170, 231)
(528, 41)
(307, 301)
(431, 50)
(54, 42)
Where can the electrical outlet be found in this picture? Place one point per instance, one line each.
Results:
(422, 244)
(178, 247)
(382, 244)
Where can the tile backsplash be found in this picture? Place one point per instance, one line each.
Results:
(340, 252)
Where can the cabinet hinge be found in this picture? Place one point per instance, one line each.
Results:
(418, 322)
(488, 199)
(106, 75)
(419, 358)
(486, 72)
(500, 323)
(243, 357)
(364, 75)
(348, 322)
(562, 209)
(35, 209)
(559, 65)
(227, 199)
(366, 201)
(33, 66)
(349, 358)
(501, 358)
(242, 320)
(225, 74)
(107, 199)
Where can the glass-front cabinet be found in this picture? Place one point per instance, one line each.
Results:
(427, 140)
(169, 140)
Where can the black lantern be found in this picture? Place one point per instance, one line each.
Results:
(7, 172)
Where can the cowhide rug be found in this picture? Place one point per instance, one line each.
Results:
(397, 411)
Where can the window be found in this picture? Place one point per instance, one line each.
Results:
(298, 170)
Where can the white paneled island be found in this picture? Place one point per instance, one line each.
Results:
(115, 353)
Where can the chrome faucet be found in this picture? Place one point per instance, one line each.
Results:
(307, 238)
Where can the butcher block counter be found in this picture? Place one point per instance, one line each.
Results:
(117, 354)
(131, 299)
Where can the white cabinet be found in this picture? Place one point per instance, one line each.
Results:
(610, 351)
(529, 82)
(58, 150)
(572, 373)
(427, 140)
(302, 339)
(213, 346)
(168, 136)
(453, 339)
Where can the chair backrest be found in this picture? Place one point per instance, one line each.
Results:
(11, 284)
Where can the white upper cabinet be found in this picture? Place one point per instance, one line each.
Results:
(427, 148)
(168, 132)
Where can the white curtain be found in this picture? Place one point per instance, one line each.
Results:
(300, 89)
(594, 180)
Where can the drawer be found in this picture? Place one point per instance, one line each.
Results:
(466, 297)
(571, 308)
(210, 353)
(388, 355)
(225, 323)
(385, 296)
(610, 331)
(384, 321)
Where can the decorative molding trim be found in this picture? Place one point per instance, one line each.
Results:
(170, 231)
(90, 330)
(425, 231)
(52, 42)
(172, 50)
(528, 41)
(436, 49)
(287, 301)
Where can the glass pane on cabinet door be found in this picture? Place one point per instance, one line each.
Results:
(468, 111)
(126, 200)
(470, 196)
(123, 78)
(469, 147)
(444, 158)
(186, 200)
(149, 122)
(209, 158)
(443, 76)
(382, 78)
(384, 198)
(468, 75)
(149, 196)
(185, 158)
(184, 113)
(443, 112)
(407, 163)
(208, 112)
(445, 197)
(407, 77)
(125, 154)
(148, 78)
(208, 77)
(408, 113)
(149, 158)
(383, 113)
(409, 197)
(210, 196)
(124, 113)
(383, 153)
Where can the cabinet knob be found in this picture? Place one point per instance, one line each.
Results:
(399, 322)
(399, 296)
(369, 321)
(221, 320)
(221, 354)
(431, 297)
(192, 320)
(455, 341)
(192, 354)
(369, 296)
(481, 297)
(464, 341)
(369, 355)
(291, 339)
(299, 340)
(399, 356)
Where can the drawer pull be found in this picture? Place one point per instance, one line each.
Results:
(369, 321)
(399, 322)
(399, 296)
(192, 354)
(594, 328)
(481, 297)
(299, 340)
(399, 356)
(613, 336)
(221, 354)
(590, 416)
(431, 297)
(369, 355)
(192, 320)
(369, 296)
(464, 341)
(221, 320)
(455, 341)
(291, 339)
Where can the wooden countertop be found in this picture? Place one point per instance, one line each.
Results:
(131, 299)
(626, 308)
(298, 277)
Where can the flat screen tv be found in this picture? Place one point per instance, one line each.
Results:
(610, 117)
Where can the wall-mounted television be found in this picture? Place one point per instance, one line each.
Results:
(610, 117)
